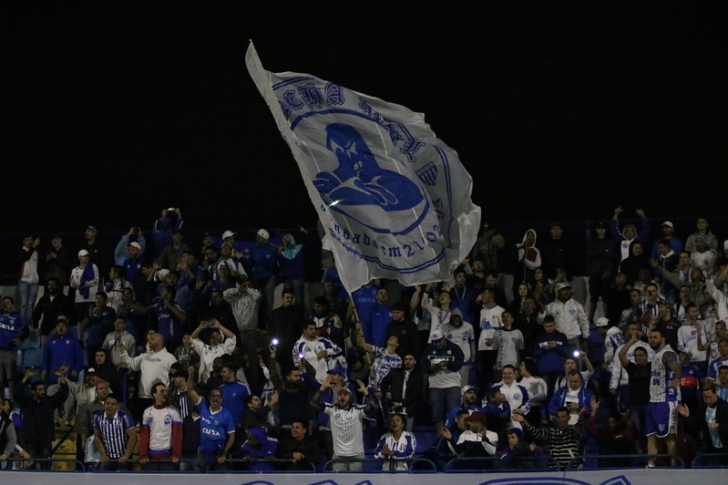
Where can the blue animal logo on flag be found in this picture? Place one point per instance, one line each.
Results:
(394, 200)
(359, 184)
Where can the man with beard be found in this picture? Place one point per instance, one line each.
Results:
(50, 305)
(345, 419)
(661, 415)
(38, 429)
(403, 389)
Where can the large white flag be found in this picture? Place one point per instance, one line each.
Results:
(394, 200)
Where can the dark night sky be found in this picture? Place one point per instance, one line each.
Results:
(110, 113)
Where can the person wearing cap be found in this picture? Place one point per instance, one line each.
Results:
(130, 245)
(396, 445)
(264, 257)
(668, 230)
(345, 420)
(99, 254)
(84, 392)
(569, 315)
(85, 280)
(133, 263)
(468, 402)
(477, 441)
(441, 362)
(228, 237)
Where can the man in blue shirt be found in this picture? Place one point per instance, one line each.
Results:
(11, 326)
(217, 429)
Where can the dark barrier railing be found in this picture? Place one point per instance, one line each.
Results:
(710, 460)
(410, 465)
(48, 462)
(493, 464)
(244, 465)
(599, 462)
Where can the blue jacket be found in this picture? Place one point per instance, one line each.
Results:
(265, 261)
(551, 360)
(559, 399)
(59, 351)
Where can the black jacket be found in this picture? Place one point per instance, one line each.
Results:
(393, 383)
(38, 425)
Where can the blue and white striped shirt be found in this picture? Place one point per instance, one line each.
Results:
(113, 431)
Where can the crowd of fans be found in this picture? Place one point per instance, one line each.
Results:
(216, 357)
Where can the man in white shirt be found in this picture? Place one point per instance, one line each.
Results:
(569, 315)
(153, 366)
(222, 341)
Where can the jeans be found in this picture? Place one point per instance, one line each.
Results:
(28, 293)
(442, 401)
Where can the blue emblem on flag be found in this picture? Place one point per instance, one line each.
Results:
(393, 199)
(360, 182)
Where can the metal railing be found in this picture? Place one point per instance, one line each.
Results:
(410, 465)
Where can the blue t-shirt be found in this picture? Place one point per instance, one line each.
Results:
(214, 428)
